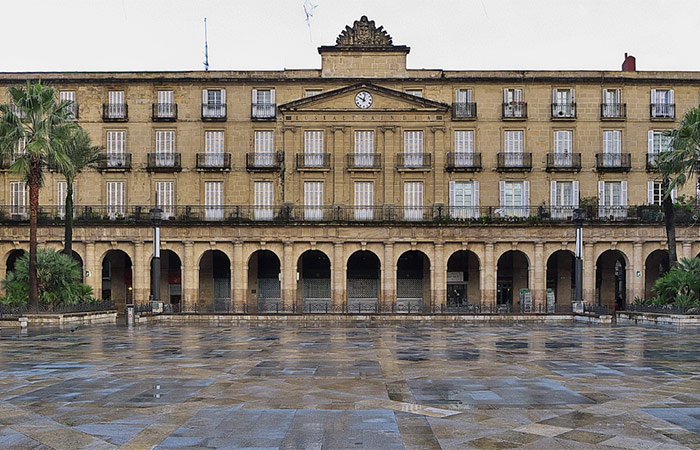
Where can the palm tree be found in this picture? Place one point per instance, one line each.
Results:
(677, 166)
(81, 154)
(43, 124)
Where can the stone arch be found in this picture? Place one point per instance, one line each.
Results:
(413, 282)
(611, 279)
(117, 278)
(215, 281)
(363, 281)
(79, 260)
(314, 281)
(264, 282)
(561, 275)
(463, 280)
(655, 266)
(170, 278)
(11, 258)
(512, 275)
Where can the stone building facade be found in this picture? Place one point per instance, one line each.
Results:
(364, 185)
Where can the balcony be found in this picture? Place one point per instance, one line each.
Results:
(163, 162)
(652, 162)
(613, 162)
(463, 162)
(514, 162)
(313, 161)
(263, 111)
(264, 161)
(464, 110)
(413, 161)
(115, 162)
(563, 111)
(73, 110)
(563, 162)
(514, 111)
(662, 111)
(115, 112)
(613, 111)
(213, 161)
(213, 112)
(364, 161)
(164, 112)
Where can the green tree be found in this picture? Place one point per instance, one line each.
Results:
(81, 154)
(677, 166)
(58, 278)
(681, 284)
(37, 118)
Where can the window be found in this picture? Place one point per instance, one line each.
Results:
(69, 96)
(612, 199)
(655, 193)
(213, 148)
(213, 200)
(263, 146)
(413, 200)
(464, 106)
(364, 149)
(413, 148)
(165, 198)
(513, 104)
(364, 200)
(116, 145)
(563, 103)
(116, 199)
(612, 106)
(662, 103)
(61, 193)
(464, 148)
(563, 198)
(166, 104)
(20, 150)
(313, 200)
(165, 147)
(415, 92)
(464, 199)
(514, 198)
(563, 146)
(263, 103)
(213, 103)
(612, 148)
(312, 92)
(513, 145)
(116, 109)
(263, 200)
(658, 141)
(18, 199)
(313, 148)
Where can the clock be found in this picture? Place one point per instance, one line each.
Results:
(363, 99)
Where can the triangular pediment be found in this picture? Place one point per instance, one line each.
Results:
(383, 100)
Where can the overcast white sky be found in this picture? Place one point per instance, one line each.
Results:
(123, 35)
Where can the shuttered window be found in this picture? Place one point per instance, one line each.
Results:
(264, 148)
(464, 148)
(166, 104)
(313, 200)
(165, 197)
(61, 192)
(116, 199)
(662, 103)
(116, 146)
(115, 104)
(313, 148)
(364, 148)
(18, 198)
(655, 193)
(69, 96)
(413, 148)
(263, 200)
(658, 141)
(165, 148)
(413, 200)
(214, 148)
(364, 200)
(514, 198)
(464, 199)
(263, 103)
(563, 198)
(563, 148)
(513, 146)
(612, 199)
(612, 148)
(213, 103)
(20, 150)
(213, 200)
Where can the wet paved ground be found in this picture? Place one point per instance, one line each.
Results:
(351, 386)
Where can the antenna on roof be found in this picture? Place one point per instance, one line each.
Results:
(206, 47)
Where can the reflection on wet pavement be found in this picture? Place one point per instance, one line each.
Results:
(351, 386)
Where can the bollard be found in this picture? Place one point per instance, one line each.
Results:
(130, 315)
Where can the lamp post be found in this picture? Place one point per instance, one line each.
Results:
(579, 216)
(156, 217)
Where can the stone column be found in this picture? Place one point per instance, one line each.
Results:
(388, 164)
(588, 274)
(288, 186)
(141, 281)
(289, 278)
(540, 283)
(189, 291)
(687, 250)
(438, 152)
(338, 164)
(439, 278)
(389, 278)
(3, 270)
(638, 264)
(95, 278)
(489, 287)
(238, 289)
(338, 297)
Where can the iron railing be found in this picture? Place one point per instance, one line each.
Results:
(563, 162)
(164, 112)
(364, 161)
(214, 111)
(653, 162)
(73, 110)
(613, 111)
(514, 110)
(310, 161)
(665, 309)
(263, 111)
(163, 162)
(662, 110)
(263, 161)
(10, 311)
(464, 110)
(613, 162)
(463, 162)
(213, 161)
(563, 111)
(115, 161)
(115, 112)
(514, 161)
(413, 161)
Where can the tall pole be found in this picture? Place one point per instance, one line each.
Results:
(155, 262)
(579, 215)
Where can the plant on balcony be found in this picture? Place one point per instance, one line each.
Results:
(35, 116)
(58, 281)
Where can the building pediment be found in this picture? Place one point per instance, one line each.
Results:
(383, 100)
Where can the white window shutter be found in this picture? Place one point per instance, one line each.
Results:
(601, 193)
(254, 96)
(554, 95)
(623, 193)
(452, 193)
(526, 194)
(475, 195)
(650, 192)
(574, 193)
(505, 95)
(573, 92)
(674, 194)
(205, 97)
(518, 95)
(502, 193)
(650, 141)
(223, 96)
(670, 96)
(653, 96)
(552, 193)
(272, 96)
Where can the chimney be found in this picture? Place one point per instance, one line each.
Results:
(630, 64)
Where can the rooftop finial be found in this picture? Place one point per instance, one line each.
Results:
(206, 47)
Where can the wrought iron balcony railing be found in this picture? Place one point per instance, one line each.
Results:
(115, 112)
(311, 161)
(408, 161)
(264, 161)
(163, 162)
(115, 161)
(653, 162)
(514, 110)
(263, 111)
(662, 111)
(613, 111)
(563, 162)
(613, 162)
(464, 110)
(73, 110)
(563, 111)
(164, 112)
(514, 161)
(463, 162)
(214, 112)
(368, 161)
(213, 161)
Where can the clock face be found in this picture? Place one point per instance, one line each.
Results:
(363, 99)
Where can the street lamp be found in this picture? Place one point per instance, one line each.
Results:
(579, 217)
(156, 218)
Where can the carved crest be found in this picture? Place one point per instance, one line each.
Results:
(363, 34)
